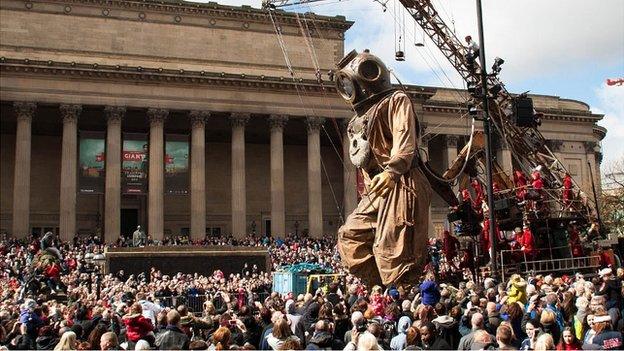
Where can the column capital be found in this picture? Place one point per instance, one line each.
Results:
(314, 123)
(198, 118)
(24, 110)
(157, 115)
(278, 121)
(451, 140)
(554, 145)
(590, 146)
(70, 112)
(114, 114)
(239, 119)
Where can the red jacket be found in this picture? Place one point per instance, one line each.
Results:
(53, 271)
(137, 327)
(528, 241)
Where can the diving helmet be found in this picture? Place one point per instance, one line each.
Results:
(362, 80)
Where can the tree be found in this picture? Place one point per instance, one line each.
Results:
(612, 198)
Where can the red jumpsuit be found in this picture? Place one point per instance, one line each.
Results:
(567, 190)
(485, 235)
(528, 242)
(520, 183)
(478, 194)
(537, 183)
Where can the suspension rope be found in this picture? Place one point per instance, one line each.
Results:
(292, 73)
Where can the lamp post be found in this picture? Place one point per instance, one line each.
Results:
(488, 147)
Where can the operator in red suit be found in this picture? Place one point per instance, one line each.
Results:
(521, 185)
(528, 242)
(567, 190)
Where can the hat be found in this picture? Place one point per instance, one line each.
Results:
(394, 293)
(29, 304)
(600, 319)
(605, 271)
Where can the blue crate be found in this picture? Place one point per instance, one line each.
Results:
(286, 282)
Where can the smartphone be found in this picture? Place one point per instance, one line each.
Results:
(232, 322)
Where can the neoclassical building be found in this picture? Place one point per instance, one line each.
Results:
(183, 118)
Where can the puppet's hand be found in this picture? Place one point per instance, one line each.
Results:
(382, 183)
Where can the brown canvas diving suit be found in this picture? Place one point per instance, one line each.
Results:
(385, 239)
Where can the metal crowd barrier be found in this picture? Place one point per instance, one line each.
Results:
(195, 302)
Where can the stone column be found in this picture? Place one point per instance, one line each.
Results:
(278, 210)
(156, 174)
(451, 154)
(315, 190)
(24, 112)
(424, 143)
(239, 199)
(112, 192)
(590, 150)
(349, 177)
(198, 174)
(69, 171)
(506, 160)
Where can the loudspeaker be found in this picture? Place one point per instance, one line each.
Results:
(523, 112)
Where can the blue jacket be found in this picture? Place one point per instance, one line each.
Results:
(430, 292)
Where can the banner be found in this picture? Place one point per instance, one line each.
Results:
(176, 165)
(91, 163)
(134, 164)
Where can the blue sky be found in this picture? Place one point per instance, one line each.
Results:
(566, 48)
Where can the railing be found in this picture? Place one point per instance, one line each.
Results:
(195, 302)
(547, 265)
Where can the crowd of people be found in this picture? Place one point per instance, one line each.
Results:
(115, 311)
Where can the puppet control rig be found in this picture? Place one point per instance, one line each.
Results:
(549, 205)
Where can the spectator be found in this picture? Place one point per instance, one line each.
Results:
(279, 334)
(430, 290)
(109, 341)
(67, 342)
(172, 338)
(549, 325)
(504, 337)
(605, 337)
(412, 339)
(544, 342)
(399, 342)
(429, 338)
(476, 321)
(532, 330)
(366, 342)
(323, 339)
(137, 326)
(482, 340)
(568, 342)
(221, 339)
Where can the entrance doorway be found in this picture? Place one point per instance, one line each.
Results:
(129, 221)
(267, 227)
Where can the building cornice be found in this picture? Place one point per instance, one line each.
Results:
(179, 12)
(554, 114)
(224, 80)
(150, 75)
